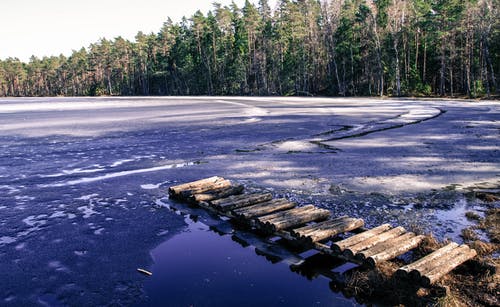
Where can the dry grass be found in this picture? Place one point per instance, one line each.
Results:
(473, 216)
(449, 300)
(468, 234)
(491, 224)
(487, 197)
(358, 284)
(476, 284)
(482, 248)
(427, 246)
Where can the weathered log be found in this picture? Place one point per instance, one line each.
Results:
(264, 208)
(382, 246)
(185, 194)
(217, 202)
(324, 234)
(176, 190)
(188, 185)
(415, 267)
(350, 251)
(315, 214)
(465, 253)
(217, 194)
(393, 252)
(340, 246)
(241, 201)
(279, 215)
(302, 231)
(417, 275)
(328, 230)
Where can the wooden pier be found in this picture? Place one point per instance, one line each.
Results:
(312, 227)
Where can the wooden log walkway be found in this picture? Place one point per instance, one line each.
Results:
(312, 227)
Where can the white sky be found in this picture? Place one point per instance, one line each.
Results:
(52, 27)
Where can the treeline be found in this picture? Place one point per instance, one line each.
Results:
(303, 47)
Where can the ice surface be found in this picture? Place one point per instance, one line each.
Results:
(117, 174)
(81, 179)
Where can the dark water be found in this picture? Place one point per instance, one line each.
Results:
(199, 267)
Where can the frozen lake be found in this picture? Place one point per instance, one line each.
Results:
(82, 188)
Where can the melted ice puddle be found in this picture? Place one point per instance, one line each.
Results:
(198, 267)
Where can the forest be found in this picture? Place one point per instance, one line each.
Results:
(301, 47)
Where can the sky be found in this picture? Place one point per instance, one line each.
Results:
(53, 27)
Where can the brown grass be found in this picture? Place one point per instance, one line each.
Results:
(427, 246)
(491, 224)
(468, 234)
(487, 197)
(483, 248)
(473, 216)
(476, 283)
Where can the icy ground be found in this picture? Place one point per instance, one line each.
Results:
(81, 179)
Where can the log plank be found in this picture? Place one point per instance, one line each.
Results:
(241, 201)
(350, 251)
(382, 246)
(315, 214)
(280, 215)
(465, 253)
(175, 190)
(302, 231)
(322, 232)
(394, 251)
(420, 264)
(340, 246)
(216, 194)
(264, 208)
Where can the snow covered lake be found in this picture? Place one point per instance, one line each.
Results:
(82, 187)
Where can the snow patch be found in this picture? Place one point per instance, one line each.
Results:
(10, 190)
(162, 204)
(87, 197)
(118, 174)
(24, 198)
(87, 211)
(7, 240)
(35, 221)
(20, 246)
(150, 186)
(162, 233)
(292, 146)
(252, 120)
(80, 253)
(62, 214)
(58, 266)
(74, 171)
(99, 231)
(120, 162)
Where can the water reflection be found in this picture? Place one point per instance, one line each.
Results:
(200, 267)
